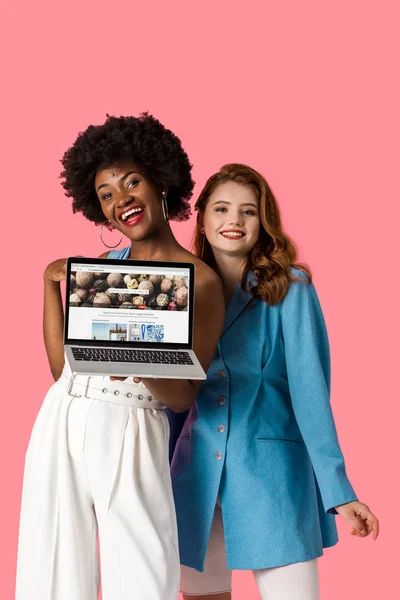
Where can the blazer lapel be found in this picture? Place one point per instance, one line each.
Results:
(239, 301)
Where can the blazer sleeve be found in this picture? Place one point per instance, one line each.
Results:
(308, 371)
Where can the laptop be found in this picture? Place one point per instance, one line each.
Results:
(130, 318)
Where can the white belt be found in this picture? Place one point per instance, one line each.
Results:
(118, 392)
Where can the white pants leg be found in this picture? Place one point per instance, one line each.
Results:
(297, 581)
(216, 577)
(97, 465)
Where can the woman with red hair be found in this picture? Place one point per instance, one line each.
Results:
(258, 473)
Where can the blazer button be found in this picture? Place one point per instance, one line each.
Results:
(221, 400)
(218, 455)
(221, 373)
(221, 428)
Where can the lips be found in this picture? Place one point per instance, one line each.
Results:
(233, 234)
(131, 216)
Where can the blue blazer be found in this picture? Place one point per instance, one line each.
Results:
(262, 434)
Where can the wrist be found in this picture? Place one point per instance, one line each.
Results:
(344, 504)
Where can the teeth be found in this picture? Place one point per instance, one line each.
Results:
(128, 213)
(232, 234)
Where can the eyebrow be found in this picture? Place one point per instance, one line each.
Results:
(243, 204)
(102, 185)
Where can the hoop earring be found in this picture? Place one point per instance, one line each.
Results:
(164, 205)
(101, 236)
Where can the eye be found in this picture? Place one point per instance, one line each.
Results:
(220, 209)
(249, 211)
(106, 196)
(132, 183)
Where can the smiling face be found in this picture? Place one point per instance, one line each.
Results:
(231, 219)
(130, 201)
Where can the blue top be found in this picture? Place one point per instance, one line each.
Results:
(122, 253)
(262, 434)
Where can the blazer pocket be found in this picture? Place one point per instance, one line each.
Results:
(278, 439)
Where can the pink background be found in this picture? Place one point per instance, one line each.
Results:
(306, 92)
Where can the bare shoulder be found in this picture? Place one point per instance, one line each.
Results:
(104, 255)
(206, 278)
(209, 303)
(208, 281)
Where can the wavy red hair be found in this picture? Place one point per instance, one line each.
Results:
(274, 254)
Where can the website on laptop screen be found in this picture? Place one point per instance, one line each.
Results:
(137, 304)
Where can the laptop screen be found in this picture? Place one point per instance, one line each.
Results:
(129, 302)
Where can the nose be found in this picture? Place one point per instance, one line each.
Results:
(123, 198)
(236, 219)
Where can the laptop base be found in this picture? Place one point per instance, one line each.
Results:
(131, 369)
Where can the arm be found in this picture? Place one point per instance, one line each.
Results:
(179, 395)
(53, 315)
(308, 370)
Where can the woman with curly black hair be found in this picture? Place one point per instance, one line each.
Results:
(101, 466)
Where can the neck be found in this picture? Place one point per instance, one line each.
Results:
(230, 269)
(162, 245)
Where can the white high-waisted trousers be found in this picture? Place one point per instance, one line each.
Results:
(298, 581)
(97, 462)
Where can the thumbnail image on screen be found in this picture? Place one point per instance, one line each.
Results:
(128, 291)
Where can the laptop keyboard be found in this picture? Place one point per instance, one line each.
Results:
(132, 356)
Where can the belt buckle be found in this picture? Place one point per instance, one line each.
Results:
(70, 386)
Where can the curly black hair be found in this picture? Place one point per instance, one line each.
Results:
(143, 140)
